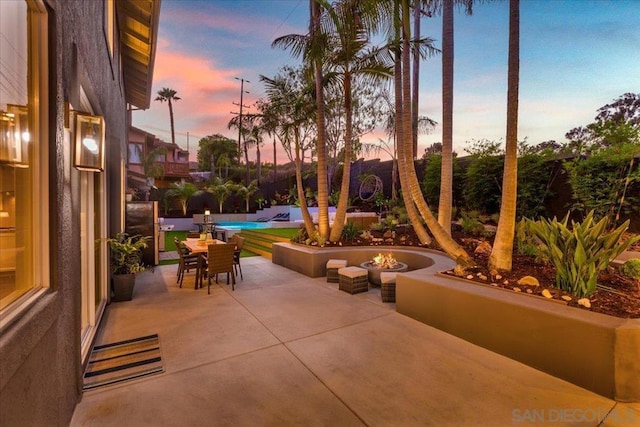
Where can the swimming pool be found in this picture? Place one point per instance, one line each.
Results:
(239, 225)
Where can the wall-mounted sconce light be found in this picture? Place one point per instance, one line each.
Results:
(14, 136)
(89, 143)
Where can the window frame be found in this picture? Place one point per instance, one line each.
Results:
(38, 66)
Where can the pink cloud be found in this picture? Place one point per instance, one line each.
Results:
(207, 95)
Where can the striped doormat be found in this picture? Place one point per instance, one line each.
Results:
(122, 361)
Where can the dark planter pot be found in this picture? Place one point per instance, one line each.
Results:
(123, 286)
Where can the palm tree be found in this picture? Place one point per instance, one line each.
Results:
(346, 23)
(221, 190)
(181, 191)
(412, 190)
(401, 130)
(152, 169)
(246, 192)
(502, 252)
(446, 174)
(312, 48)
(289, 113)
(169, 95)
(446, 169)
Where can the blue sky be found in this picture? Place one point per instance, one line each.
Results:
(576, 56)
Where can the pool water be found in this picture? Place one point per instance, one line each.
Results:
(239, 225)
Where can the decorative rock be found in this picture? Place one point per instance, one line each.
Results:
(387, 234)
(493, 284)
(547, 294)
(470, 277)
(493, 272)
(584, 302)
(506, 282)
(482, 277)
(529, 291)
(483, 248)
(566, 297)
(516, 289)
(529, 280)
(498, 277)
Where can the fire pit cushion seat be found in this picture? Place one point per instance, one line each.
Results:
(388, 286)
(353, 279)
(332, 269)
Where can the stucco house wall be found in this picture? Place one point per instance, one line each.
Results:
(40, 356)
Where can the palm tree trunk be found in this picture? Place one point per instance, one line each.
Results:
(343, 201)
(308, 222)
(275, 161)
(446, 169)
(404, 151)
(445, 241)
(416, 79)
(258, 161)
(321, 145)
(502, 252)
(173, 133)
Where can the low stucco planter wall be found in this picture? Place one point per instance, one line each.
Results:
(597, 352)
(311, 261)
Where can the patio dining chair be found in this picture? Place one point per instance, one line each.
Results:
(187, 263)
(238, 241)
(220, 260)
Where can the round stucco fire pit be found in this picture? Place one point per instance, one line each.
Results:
(382, 263)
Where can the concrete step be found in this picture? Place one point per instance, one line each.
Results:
(260, 243)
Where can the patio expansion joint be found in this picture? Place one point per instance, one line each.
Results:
(307, 367)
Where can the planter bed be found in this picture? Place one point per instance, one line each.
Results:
(597, 352)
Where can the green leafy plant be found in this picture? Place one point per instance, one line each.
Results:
(471, 224)
(581, 252)
(126, 253)
(377, 226)
(631, 268)
(350, 231)
(526, 244)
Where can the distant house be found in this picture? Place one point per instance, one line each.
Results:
(71, 73)
(166, 166)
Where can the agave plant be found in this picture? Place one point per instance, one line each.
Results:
(581, 252)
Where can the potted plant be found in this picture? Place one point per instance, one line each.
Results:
(126, 262)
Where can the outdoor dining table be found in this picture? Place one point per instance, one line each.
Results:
(200, 246)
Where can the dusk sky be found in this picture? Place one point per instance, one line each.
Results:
(575, 56)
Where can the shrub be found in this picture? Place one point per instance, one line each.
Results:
(483, 177)
(631, 268)
(471, 224)
(431, 180)
(350, 231)
(534, 181)
(527, 244)
(579, 254)
(604, 180)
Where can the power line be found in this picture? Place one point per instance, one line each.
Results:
(285, 19)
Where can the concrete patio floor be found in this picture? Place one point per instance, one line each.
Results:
(284, 349)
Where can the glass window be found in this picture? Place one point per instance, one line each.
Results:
(135, 153)
(23, 195)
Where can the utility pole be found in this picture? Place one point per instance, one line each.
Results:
(240, 105)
